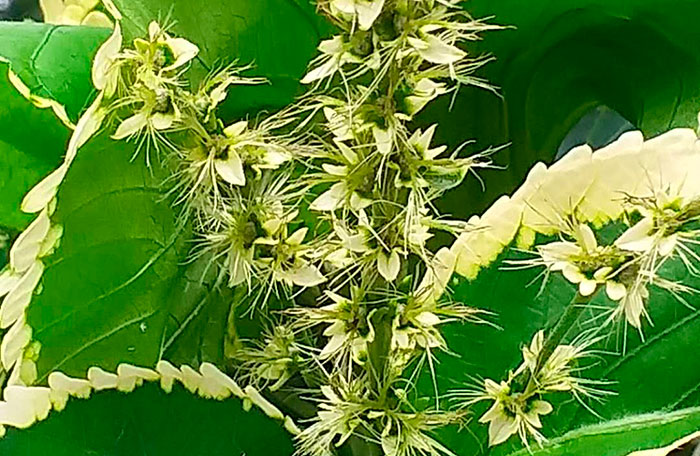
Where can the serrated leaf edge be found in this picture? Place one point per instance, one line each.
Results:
(27, 405)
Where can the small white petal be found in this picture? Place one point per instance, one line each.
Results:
(434, 50)
(634, 308)
(427, 319)
(8, 281)
(572, 273)
(161, 121)
(154, 30)
(212, 386)
(321, 72)
(183, 50)
(587, 287)
(668, 245)
(347, 152)
(191, 379)
(52, 240)
(88, 124)
(368, 12)
(36, 400)
(129, 377)
(384, 139)
(231, 170)
(615, 290)
(298, 237)
(306, 276)
(334, 344)
(236, 129)
(168, 374)
(389, 265)
(19, 417)
(210, 371)
(587, 238)
(77, 387)
(637, 238)
(335, 170)
(131, 126)
(105, 58)
(331, 199)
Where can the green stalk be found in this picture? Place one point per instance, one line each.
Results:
(557, 334)
(561, 329)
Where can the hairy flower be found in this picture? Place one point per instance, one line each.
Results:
(558, 371)
(271, 360)
(348, 409)
(512, 414)
(352, 179)
(585, 263)
(340, 413)
(349, 329)
(250, 237)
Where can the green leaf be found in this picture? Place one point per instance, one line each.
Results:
(54, 61)
(120, 259)
(25, 157)
(105, 290)
(619, 438)
(148, 421)
(481, 351)
(198, 322)
(278, 36)
(559, 60)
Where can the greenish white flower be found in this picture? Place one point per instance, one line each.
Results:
(365, 12)
(511, 414)
(271, 361)
(351, 176)
(586, 264)
(157, 113)
(335, 53)
(349, 331)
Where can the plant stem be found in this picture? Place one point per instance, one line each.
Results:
(561, 329)
(558, 333)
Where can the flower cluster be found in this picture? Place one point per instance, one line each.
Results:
(329, 199)
(324, 211)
